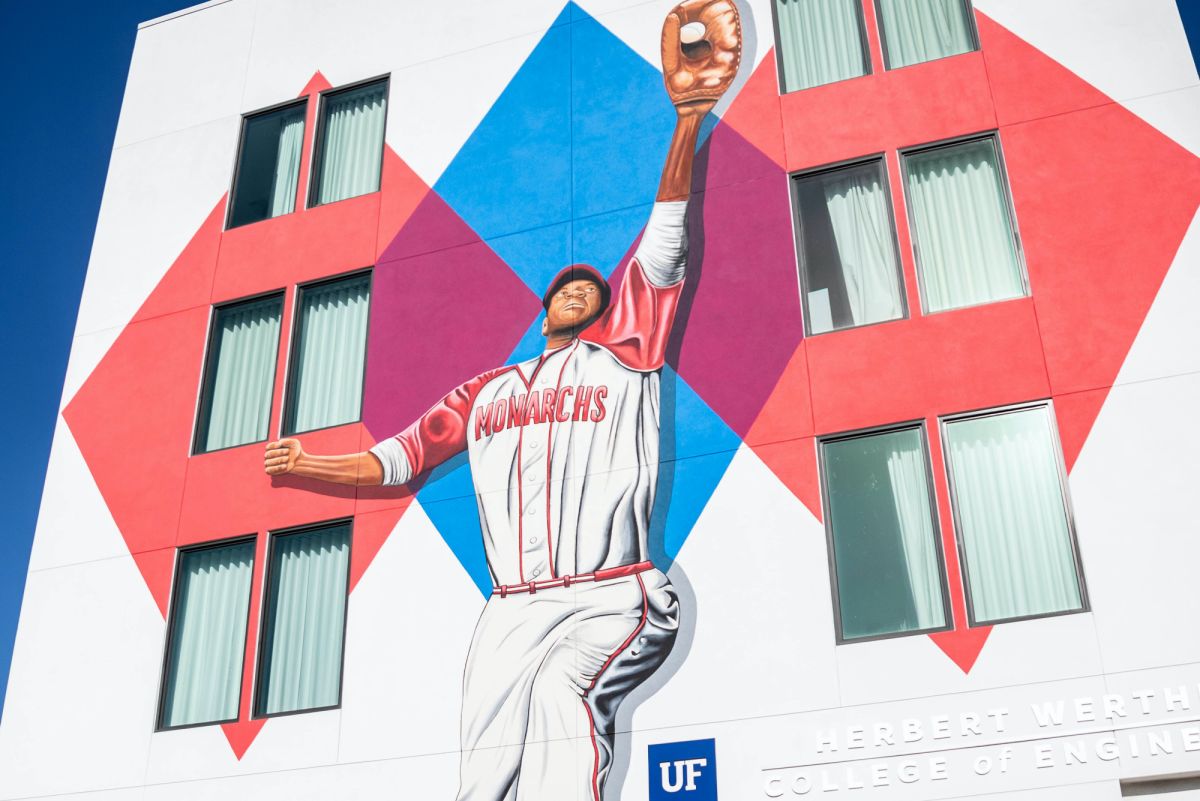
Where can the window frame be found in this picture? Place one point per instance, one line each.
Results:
(207, 364)
(794, 179)
(172, 621)
(290, 372)
(268, 585)
(972, 31)
(317, 153)
(1006, 193)
(943, 578)
(300, 102)
(1064, 485)
(864, 38)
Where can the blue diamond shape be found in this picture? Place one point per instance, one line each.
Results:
(563, 169)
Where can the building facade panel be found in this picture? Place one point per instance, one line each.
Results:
(516, 142)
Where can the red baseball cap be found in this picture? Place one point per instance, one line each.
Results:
(578, 272)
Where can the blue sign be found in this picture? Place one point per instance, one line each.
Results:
(683, 771)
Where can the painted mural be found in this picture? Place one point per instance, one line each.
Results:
(564, 452)
(652, 369)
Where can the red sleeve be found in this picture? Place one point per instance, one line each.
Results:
(637, 324)
(441, 433)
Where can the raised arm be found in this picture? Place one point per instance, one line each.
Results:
(701, 51)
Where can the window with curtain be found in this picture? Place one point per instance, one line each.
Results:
(963, 229)
(203, 677)
(1009, 498)
(848, 259)
(820, 41)
(268, 167)
(235, 404)
(350, 146)
(880, 518)
(300, 664)
(329, 354)
(922, 30)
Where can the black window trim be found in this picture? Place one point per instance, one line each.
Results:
(268, 584)
(207, 364)
(972, 32)
(172, 608)
(290, 374)
(1064, 484)
(868, 68)
(794, 180)
(317, 153)
(297, 102)
(992, 135)
(943, 578)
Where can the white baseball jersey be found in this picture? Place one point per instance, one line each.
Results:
(564, 448)
(564, 456)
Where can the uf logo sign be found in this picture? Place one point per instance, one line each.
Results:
(685, 771)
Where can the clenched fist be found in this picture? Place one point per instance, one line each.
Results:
(281, 456)
(701, 51)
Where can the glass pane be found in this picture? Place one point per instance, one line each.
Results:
(885, 555)
(849, 256)
(966, 251)
(208, 635)
(306, 610)
(326, 388)
(268, 170)
(820, 41)
(236, 406)
(1012, 515)
(922, 30)
(352, 142)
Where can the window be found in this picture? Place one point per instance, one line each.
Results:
(887, 564)
(268, 167)
(329, 354)
(820, 41)
(922, 30)
(350, 143)
(848, 261)
(207, 635)
(239, 377)
(963, 228)
(1008, 493)
(300, 662)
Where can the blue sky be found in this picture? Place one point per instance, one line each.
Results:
(67, 64)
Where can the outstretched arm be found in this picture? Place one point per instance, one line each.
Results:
(356, 469)
(701, 51)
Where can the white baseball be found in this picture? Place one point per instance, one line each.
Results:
(691, 33)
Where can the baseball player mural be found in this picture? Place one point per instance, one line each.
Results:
(564, 452)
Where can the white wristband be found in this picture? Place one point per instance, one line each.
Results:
(396, 469)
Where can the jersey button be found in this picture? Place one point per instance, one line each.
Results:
(537, 571)
(535, 444)
(533, 540)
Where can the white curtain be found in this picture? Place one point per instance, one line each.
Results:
(208, 639)
(965, 246)
(243, 374)
(922, 30)
(352, 150)
(302, 664)
(327, 389)
(910, 492)
(287, 163)
(859, 215)
(1012, 513)
(820, 41)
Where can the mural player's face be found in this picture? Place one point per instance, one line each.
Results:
(572, 307)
